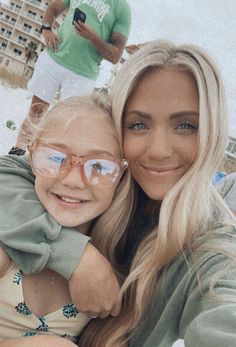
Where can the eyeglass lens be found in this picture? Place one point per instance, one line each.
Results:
(51, 162)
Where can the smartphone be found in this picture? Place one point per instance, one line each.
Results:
(79, 15)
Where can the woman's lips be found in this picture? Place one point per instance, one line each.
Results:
(160, 172)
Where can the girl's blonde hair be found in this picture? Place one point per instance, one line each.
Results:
(192, 207)
(108, 228)
(65, 110)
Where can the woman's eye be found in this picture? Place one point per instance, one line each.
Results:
(137, 126)
(187, 127)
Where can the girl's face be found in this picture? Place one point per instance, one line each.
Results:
(160, 129)
(70, 200)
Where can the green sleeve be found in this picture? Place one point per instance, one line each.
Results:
(123, 19)
(208, 321)
(66, 3)
(31, 237)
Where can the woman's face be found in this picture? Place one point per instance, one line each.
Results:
(160, 129)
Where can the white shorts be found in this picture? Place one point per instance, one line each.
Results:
(50, 77)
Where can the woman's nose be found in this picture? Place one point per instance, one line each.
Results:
(74, 178)
(161, 145)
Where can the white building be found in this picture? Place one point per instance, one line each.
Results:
(20, 23)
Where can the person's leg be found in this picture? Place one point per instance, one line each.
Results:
(73, 84)
(43, 85)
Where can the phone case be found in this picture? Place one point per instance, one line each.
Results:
(79, 15)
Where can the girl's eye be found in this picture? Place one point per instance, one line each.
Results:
(187, 127)
(98, 167)
(56, 158)
(137, 126)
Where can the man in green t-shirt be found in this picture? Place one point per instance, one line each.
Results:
(72, 58)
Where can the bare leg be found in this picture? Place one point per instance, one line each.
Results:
(37, 109)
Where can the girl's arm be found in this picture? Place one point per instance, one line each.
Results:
(38, 341)
(31, 237)
(34, 240)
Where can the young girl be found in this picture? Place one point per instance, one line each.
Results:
(77, 161)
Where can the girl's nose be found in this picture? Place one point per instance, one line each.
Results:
(74, 178)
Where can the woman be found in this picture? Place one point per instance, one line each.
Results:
(176, 257)
(169, 108)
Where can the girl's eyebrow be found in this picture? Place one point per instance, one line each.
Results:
(95, 152)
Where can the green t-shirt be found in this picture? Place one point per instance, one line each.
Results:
(104, 16)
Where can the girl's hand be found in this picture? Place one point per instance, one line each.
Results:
(93, 285)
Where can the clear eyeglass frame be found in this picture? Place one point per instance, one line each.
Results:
(84, 162)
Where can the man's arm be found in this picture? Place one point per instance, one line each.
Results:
(110, 51)
(113, 49)
(53, 10)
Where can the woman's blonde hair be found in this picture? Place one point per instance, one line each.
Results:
(192, 207)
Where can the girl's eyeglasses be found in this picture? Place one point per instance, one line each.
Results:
(47, 161)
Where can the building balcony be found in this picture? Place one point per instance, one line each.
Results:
(30, 32)
(10, 8)
(20, 43)
(37, 4)
(5, 35)
(10, 54)
(7, 21)
(3, 48)
(15, 9)
(35, 19)
(27, 30)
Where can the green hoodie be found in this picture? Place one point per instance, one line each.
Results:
(30, 235)
(181, 308)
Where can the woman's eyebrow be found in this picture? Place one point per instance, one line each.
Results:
(139, 113)
(184, 113)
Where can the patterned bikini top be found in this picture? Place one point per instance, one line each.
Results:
(16, 320)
